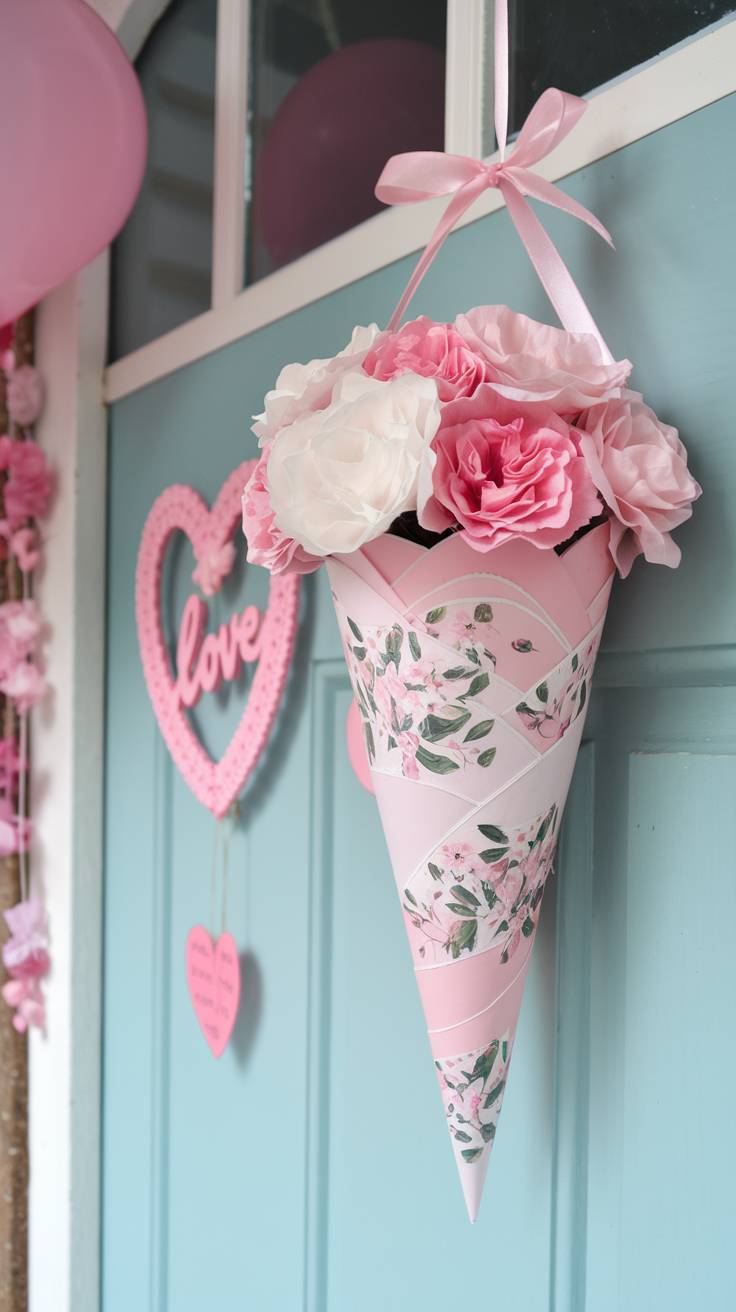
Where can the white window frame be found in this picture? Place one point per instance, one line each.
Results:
(67, 761)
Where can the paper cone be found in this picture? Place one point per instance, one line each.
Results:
(472, 673)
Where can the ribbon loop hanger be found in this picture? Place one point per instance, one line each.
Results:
(423, 175)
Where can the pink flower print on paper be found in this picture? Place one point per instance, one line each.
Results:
(555, 704)
(471, 897)
(414, 711)
(471, 633)
(472, 1088)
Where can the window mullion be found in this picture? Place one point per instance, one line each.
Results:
(466, 81)
(231, 102)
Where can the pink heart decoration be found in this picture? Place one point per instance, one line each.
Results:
(216, 784)
(213, 975)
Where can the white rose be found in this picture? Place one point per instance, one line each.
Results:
(305, 387)
(341, 476)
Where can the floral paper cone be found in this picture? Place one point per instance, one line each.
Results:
(472, 674)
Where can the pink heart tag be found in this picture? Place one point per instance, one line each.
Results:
(216, 784)
(213, 975)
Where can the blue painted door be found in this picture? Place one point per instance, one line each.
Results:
(309, 1170)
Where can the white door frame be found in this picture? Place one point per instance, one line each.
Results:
(67, 771)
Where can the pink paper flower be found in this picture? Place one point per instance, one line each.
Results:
(20, 630)
(267, 545)
(25, 953)
(432, 350)
(24, 546)
(639, 466)
(502, 475)
(11, 763)
(24, 685)
(15, 831)
(214, 566)
(534, 362)
(30, 483)
(26, 997)
(24, 395)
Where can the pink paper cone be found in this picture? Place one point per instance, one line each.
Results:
(472, 674)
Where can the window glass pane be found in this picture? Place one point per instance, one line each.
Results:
(336, 87)
(162, 260)
(578, 45)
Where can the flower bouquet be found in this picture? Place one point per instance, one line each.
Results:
(471, 487)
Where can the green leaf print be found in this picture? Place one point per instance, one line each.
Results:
(434, 616)
(543, 692)
(437, 764)
(493, 832)
(463, 1137)
(465, 895)
(356, 631)
(496, 1091)
(479, 682)
(434, 728)
(492, 854)
(483, 613)
(458, 672)
(471, 1154)
(414, 647)
(488, 1131)
(460, 909)
(478, 731)
(486, 757)
(463, 940)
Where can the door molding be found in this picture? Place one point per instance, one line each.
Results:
(67, 765)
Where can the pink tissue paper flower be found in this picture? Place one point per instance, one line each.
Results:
(11, 763)
(24, 395)
(639, 466)
(432, 350)
(534, 362)
(213, 567)
(267, 545)
(503, 473)
(25, 953)
(24, 685)
(30, 483)
(20, 630)
(26, 997)
(24, 546)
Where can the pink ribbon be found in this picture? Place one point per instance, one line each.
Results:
(425, 174)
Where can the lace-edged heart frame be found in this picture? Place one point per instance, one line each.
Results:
(180, 509)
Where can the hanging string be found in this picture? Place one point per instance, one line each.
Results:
(224, 829)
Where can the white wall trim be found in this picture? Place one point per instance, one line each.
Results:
(689, 78)
(67, 805)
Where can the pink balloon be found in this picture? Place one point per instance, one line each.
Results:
(72, 147)
(332, 135)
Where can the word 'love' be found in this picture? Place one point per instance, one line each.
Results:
(201, 665)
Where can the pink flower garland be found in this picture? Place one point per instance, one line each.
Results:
(27, 493)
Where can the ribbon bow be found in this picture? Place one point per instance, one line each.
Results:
(424, 174)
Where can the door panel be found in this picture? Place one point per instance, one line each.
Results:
(309, 1169)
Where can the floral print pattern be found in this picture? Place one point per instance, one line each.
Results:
(486, 893)
(551, 708)
(472, 634)
(414, 707)
(472, 1088)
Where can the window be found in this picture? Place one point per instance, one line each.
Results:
(162, 260)
(336, 87)
(578, 46)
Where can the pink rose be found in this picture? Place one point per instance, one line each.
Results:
(502, 474)
(639, 466)
(432, 350)
(267, 545)
(30, 482)
(534, 362)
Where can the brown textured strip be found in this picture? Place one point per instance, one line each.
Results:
(13, 1046)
